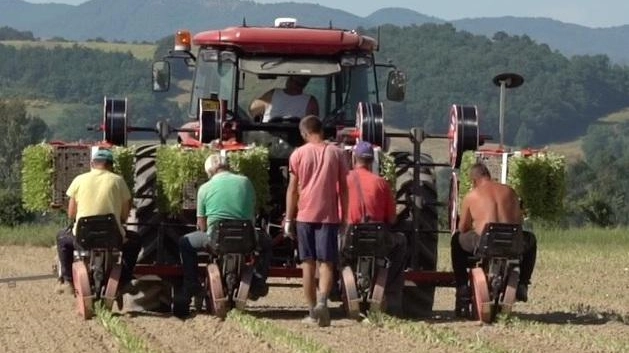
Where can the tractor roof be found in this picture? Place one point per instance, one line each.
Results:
(279, 40)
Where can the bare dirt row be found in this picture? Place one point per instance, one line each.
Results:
(577, 303)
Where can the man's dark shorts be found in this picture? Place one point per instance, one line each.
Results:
(317, 241)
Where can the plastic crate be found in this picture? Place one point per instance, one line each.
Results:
(68, 162)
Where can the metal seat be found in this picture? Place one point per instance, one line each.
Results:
(98, 232)
(236, 237)
(369, 239)
(501, 240)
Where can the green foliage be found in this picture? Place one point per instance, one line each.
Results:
(540, 180)
(123, 163)
(18, 131)
(178, 168)
(11, 211)
(31, 234)
(37, 176)
(8, 33)
(465, 184)
(387, 170)
(254, 163)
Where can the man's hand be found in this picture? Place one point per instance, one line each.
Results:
(289, 228)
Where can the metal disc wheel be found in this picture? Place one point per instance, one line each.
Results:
(377, 302)
(370, 124)
(111, 290)
(216, 291)
(243, 290)
(82, 290)
(481, 302)
(509, 296)
(453, 205)
(115, 121)
(352, 301)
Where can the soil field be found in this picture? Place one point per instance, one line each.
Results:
(578, 302)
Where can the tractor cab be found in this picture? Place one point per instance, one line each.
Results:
(236, 65)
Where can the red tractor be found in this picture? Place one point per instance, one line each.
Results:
(235, 65)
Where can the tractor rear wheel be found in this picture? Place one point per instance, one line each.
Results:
(417, 299)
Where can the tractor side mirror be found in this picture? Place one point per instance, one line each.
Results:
(396, 85)
(161, 76)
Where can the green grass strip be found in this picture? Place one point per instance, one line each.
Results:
(274, 333)
(426, 333)
(129, 342)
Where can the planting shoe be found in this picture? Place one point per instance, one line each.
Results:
(322, 315)
(522, 293)
(463, 299)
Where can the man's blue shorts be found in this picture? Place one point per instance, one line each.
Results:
(317, 241)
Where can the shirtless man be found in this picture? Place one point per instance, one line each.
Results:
(285, 103)
(488, 201)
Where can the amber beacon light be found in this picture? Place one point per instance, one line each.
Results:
(182, 40)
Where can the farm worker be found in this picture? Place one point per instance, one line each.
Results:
(487, 202)
(98, 192)
(370, 200)
(316, 185)
(291, 101)
(226, 195)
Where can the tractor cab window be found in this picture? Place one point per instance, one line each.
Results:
(214, 74)
(353, 85)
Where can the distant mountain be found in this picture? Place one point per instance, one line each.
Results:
(569, 39)
(25, 16)
(136, 20)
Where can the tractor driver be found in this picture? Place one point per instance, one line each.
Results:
(370, 200)
(225, 195)
(98, 192)
(487, 202)
(291, 101)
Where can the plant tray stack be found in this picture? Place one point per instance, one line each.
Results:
(190, 195)
(68, 162)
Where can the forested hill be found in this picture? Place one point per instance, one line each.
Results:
(149, 20)
(560, 98)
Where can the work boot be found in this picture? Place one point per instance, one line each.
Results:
(322, 315)
(64, 287)
(258, 290)
(522, 293)
(462, 303)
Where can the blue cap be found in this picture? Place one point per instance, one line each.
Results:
(103, 156)
(363, 150)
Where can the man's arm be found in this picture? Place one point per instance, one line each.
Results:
(343, 192)
(292, 194)
(202, 223)
(390, 206)
(257, 107)
(465, 221)
(72, 208)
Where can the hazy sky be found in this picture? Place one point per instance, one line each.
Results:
(592, 13)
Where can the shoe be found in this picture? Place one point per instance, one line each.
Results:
(258, 290)
(309, 320)
(522, 293)
(322, 315)
(64, 288)
(128, 288)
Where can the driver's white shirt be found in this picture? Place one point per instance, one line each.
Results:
(285, 105)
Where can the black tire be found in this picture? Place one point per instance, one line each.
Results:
(145, 211)
(418, 300)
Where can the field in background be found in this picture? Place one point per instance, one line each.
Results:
(140, 51)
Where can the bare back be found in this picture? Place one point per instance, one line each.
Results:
(490, 202)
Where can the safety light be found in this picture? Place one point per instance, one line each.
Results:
(182, 40)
